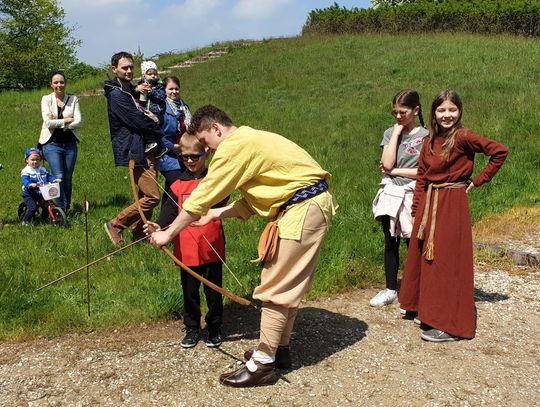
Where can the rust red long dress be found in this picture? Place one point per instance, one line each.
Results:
(442, 290)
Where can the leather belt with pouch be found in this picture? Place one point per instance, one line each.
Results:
(269, 240)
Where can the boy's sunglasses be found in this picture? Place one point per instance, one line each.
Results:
(192, 157)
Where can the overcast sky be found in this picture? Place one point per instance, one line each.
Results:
(108, 26)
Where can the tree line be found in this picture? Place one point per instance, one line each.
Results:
(519, 17)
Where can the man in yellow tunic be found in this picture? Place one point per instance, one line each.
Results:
(275, 176)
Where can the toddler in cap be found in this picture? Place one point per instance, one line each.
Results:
(32, 177)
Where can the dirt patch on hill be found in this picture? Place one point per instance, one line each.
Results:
(344, 353)
(514, 233)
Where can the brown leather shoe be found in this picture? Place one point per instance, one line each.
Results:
(114, 234)
(283, 357)
(265, 375)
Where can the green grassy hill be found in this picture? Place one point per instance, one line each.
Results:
(332, 96)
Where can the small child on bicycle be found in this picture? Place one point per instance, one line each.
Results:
(32, 177)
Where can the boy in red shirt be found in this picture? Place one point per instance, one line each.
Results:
(200, 248)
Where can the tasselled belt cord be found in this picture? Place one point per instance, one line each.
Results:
(429, 252)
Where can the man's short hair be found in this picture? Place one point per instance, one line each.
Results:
(204, 116)
(118, 56)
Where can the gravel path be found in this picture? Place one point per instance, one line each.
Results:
(345, 353)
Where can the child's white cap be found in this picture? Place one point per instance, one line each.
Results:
(147, 65)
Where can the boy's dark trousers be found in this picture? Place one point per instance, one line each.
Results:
(192, 301)
(31, 198)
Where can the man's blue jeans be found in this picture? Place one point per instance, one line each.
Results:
(61, 158)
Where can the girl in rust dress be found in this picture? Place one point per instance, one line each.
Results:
(438, 281)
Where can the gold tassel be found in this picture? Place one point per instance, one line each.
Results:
(420, 234)
(429, 253)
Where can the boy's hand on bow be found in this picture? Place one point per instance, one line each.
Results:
(150, 227)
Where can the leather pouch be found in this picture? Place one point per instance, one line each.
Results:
(268, 242)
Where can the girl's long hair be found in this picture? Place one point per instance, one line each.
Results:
(437, 131)
(409, 98)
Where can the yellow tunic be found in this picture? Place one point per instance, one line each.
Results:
(267, 169)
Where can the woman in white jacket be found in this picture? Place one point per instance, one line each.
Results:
(59, 135)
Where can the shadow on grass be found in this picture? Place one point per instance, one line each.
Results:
(482, 296)
(318, 333)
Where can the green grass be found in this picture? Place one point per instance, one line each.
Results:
(329, 94)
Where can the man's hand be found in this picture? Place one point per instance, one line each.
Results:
(143, 88)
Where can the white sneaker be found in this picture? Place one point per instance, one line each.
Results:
(384, 297)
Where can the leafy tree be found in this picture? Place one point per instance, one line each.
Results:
(377, 3)
(34, 41)
(81, 70)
